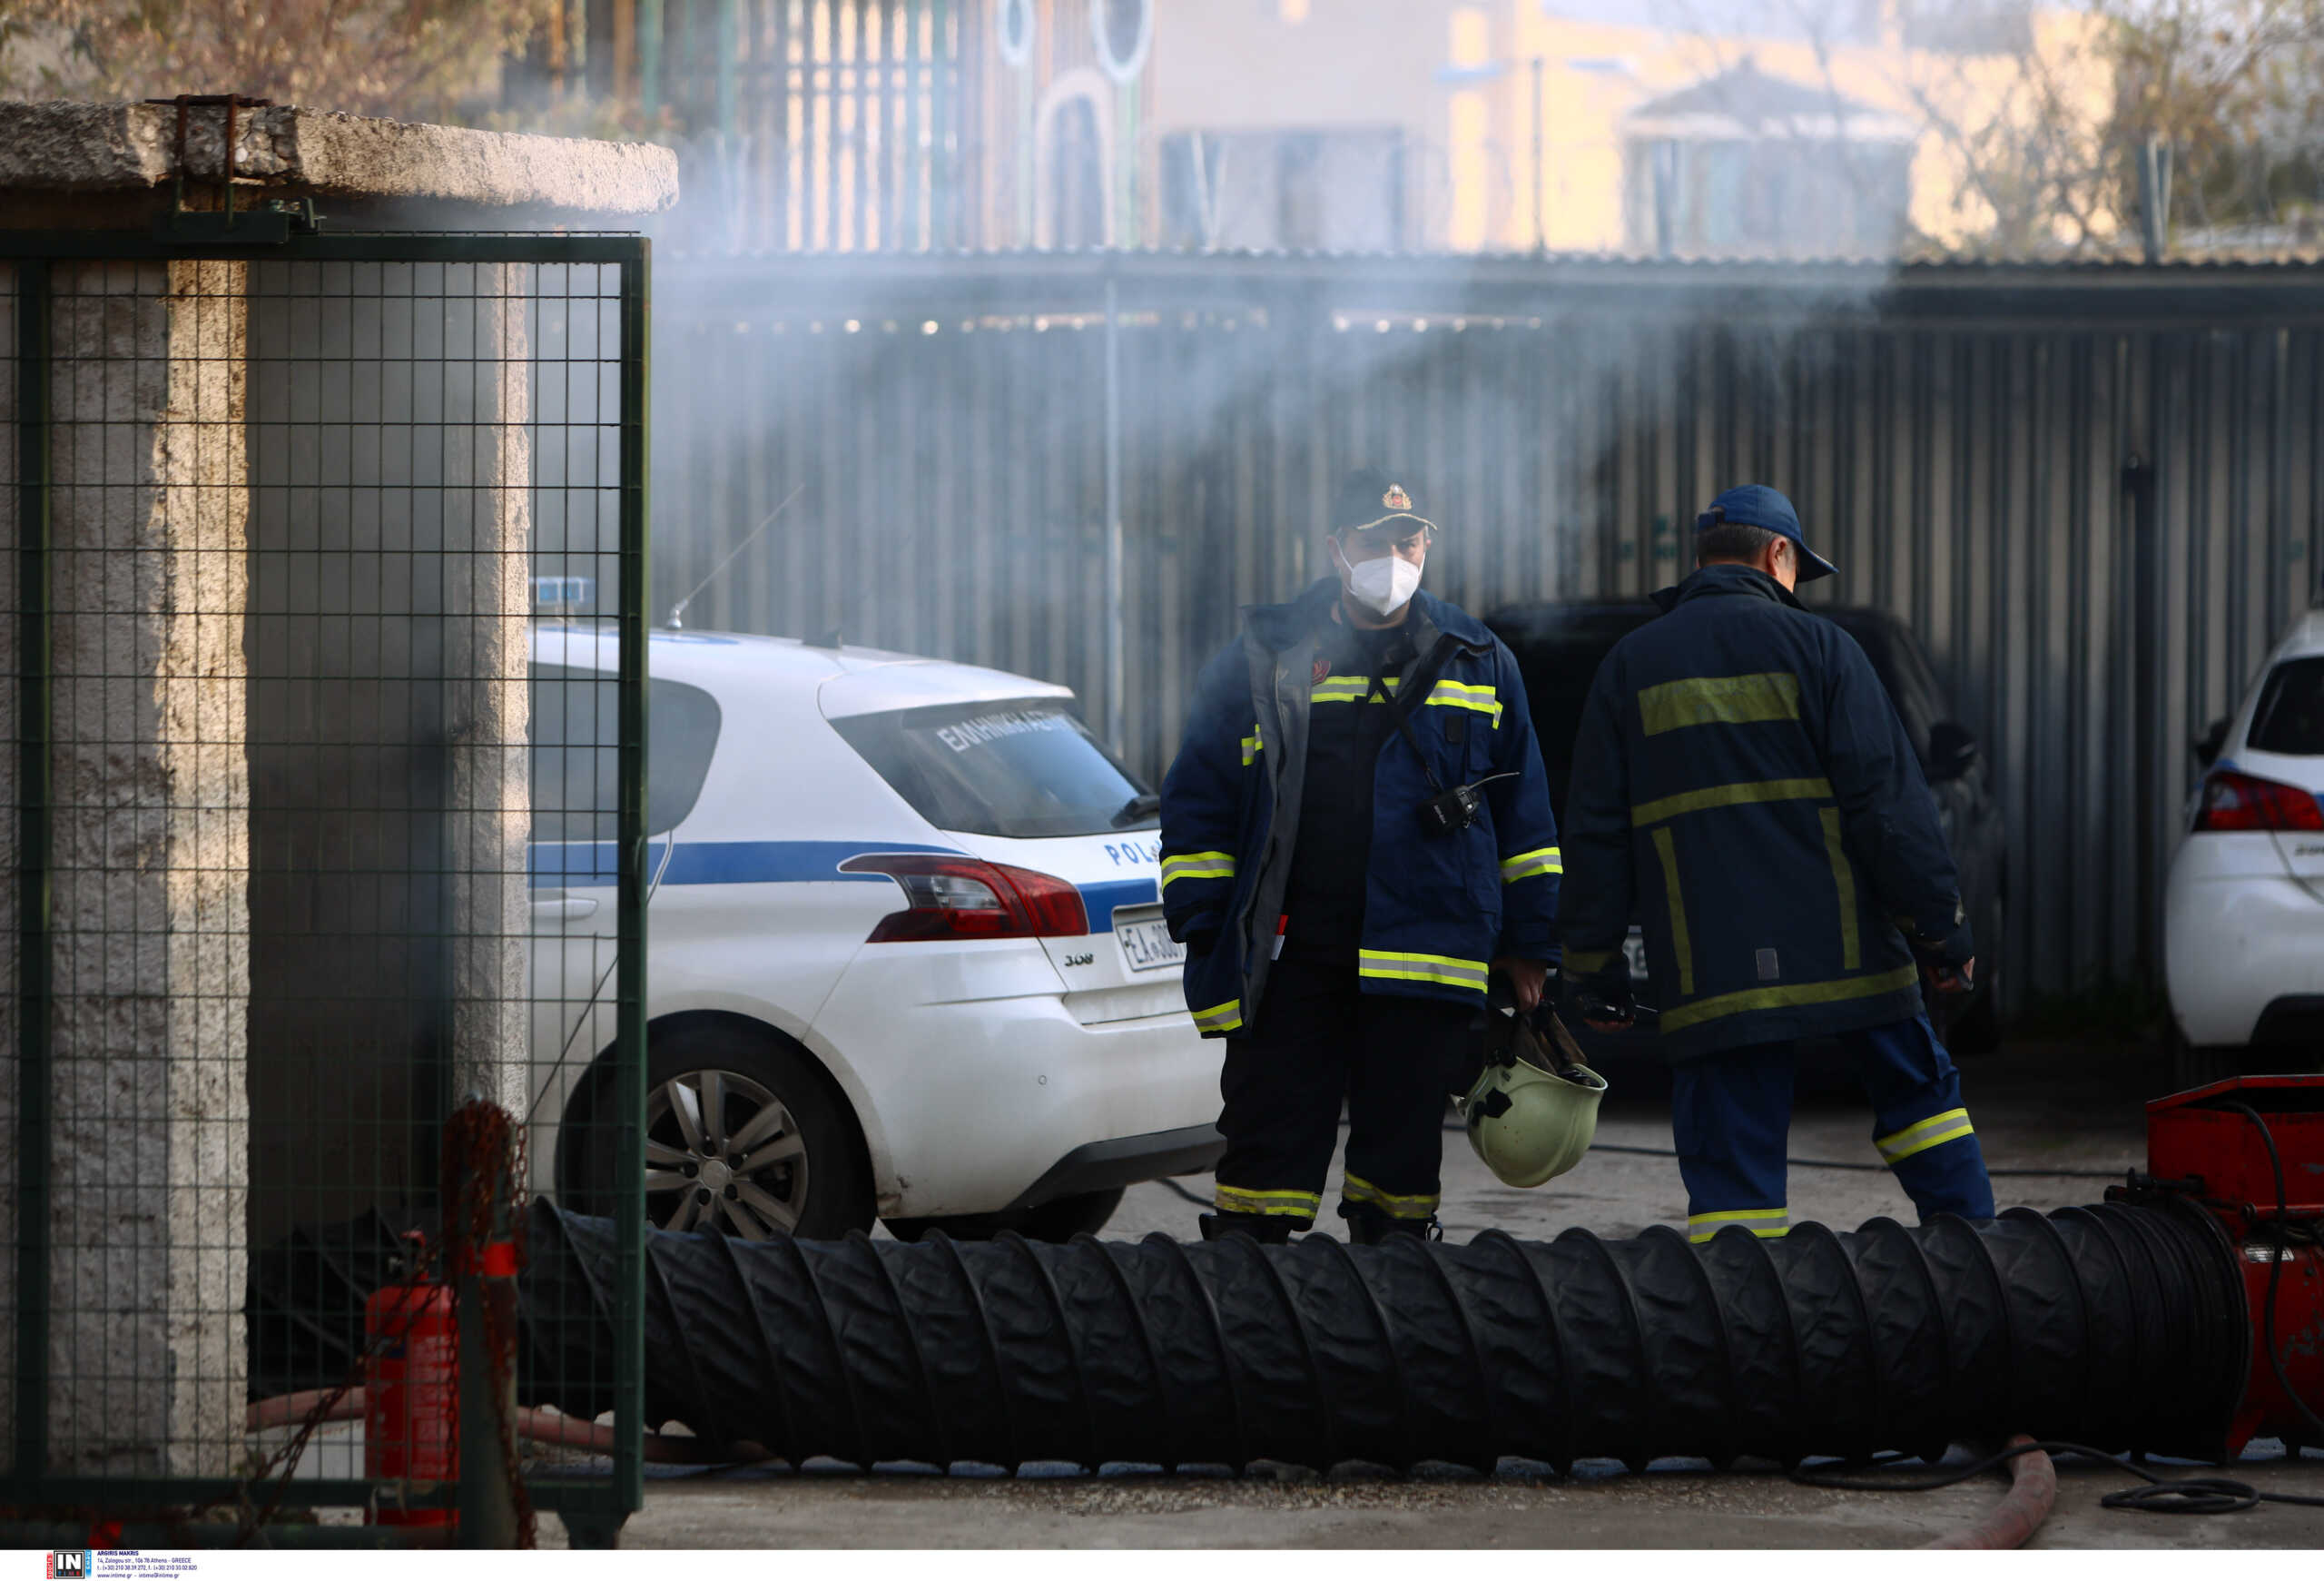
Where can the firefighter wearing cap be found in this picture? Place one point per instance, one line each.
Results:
(1743, 786)
(1355, 833)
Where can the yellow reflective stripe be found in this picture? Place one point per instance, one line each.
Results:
(1443, 694)
(1678, 944)
(1274, 1204)
(1583, 962)
(1224, 1017)
(1531, 863)
(1412, 968)
(1844, 877)
(1359, 1189)
(1767, 1223)
(1720, 1004)
(1197, 864)
(1461, 695)
(1935, 1132)
(1727, 796)
(1718, 700)
(1252, 746)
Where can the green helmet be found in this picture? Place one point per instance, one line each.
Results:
(1531, 1123)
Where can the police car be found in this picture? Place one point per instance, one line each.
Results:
(906, 954)
(2243, 913)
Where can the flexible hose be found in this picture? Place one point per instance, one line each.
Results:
(2156, 1495)
(2117, 1325)
(2010, 1523)
(533, 1424)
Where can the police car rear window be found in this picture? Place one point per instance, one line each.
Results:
(1022, 770)
(2289, 718)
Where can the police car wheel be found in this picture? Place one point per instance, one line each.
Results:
(745, 1136)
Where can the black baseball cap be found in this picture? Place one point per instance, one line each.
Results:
(1757, 505)
(1368, 501)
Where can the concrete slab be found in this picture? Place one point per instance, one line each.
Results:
(88, 150)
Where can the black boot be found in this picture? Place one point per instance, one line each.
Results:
(1367, 1226)
(1266, 1229)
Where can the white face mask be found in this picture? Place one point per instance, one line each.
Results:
(1383, 584)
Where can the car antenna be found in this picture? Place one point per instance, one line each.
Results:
(677, 610)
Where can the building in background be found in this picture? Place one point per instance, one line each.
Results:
(1702, 128)
(1710, 128)
(1744, 162)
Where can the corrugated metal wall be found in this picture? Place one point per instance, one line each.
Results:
(2095, 494)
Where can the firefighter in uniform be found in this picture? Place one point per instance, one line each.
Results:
(1355, 833)
(1743, 786)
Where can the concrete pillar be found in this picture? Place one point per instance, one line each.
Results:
(487, 615)
(150, 1158)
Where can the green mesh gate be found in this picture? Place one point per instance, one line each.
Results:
(324, 565)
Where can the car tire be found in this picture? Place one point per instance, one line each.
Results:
(1058, 1219)
(782, 1154)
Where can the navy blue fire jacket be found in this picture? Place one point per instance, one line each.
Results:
(1742, 785)
(1439, 908)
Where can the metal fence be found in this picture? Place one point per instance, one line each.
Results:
(847, 124)
(306, 795)
(2093, 491)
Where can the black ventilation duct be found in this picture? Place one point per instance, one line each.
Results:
(2116, 1326)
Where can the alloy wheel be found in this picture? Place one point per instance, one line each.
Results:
(722, 1153)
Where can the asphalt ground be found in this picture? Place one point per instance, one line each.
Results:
(2038, 1108)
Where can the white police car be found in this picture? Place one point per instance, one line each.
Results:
(905, 956)
(2243, 915)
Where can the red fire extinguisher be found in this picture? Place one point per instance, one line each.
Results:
(411, 1388)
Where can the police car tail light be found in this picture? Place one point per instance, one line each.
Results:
(958, 897)
(2236, 803)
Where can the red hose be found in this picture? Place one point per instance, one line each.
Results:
(541, 1427)
(2012, 1523)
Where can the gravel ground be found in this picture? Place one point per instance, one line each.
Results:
(2038, 1108)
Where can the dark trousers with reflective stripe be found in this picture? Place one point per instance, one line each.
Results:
(1731, 1114)
(1319, 1038)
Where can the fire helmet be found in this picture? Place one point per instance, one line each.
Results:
(1532, 1114)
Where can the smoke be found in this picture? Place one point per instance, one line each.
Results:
(946, 424)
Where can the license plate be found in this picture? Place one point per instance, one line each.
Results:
(1145, 942)
(1634, 952)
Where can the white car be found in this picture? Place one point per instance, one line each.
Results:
(906, 954)
(2243, 918)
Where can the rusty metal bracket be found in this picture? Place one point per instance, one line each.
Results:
(273, 223)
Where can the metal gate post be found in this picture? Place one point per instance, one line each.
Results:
(34, 1077)
(629, 1075)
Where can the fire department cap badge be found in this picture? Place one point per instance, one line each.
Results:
(1395, 499)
